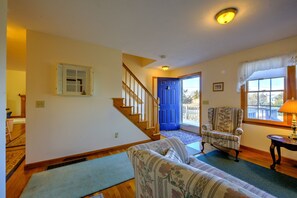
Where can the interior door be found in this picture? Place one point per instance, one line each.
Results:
(170, 99)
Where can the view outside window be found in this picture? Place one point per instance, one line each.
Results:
(190, 101)
(264, 98)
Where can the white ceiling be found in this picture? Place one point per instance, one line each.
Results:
(183, 30)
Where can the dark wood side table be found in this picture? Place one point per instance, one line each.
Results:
(280, 141)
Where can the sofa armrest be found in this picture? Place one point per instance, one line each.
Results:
(157, 176)
(161, 147)
(207, 127)
(238, 131)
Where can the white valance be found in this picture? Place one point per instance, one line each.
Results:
(248, 68)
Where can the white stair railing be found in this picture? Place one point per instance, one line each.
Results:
(137, 96)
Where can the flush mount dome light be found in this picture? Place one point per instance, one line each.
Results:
(225, 16)
(165, 68)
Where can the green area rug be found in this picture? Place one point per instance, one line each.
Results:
(192, 151)
(273, 182)
(80, 179)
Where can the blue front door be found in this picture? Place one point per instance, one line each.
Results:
(169, 93)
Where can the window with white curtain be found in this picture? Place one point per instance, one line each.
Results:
(247, 69)
(264, 88)
(264, 98)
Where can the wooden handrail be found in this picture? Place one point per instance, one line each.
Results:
(141, 99)
(130, 92)
(130, 72)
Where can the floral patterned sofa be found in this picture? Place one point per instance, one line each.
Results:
(181, 175)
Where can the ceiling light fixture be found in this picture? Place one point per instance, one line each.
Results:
(226, 15)
(165, 68)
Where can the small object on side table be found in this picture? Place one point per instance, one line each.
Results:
(280, 141)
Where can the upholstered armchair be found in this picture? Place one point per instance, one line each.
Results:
(223, 128)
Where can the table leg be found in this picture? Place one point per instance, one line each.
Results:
(272, 166)
(279, 155)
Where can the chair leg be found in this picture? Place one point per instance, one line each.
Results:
(202, 145)
(236, 156)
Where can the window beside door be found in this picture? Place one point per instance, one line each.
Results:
(190, 101)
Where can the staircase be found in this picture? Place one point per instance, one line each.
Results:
(138, 105)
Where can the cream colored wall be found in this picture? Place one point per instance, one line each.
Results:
(15, 85)
(144, 74)
(72, 125)
(224, 69)
(3, 14)
(16, 47)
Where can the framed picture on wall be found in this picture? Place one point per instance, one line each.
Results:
(218, 86)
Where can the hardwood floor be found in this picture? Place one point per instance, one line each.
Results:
(17, 182)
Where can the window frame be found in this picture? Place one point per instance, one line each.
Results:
(83, 83)
(196, 75)
(289, 92)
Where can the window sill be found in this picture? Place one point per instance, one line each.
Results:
(267, 124)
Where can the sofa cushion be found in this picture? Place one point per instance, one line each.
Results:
(171, 154)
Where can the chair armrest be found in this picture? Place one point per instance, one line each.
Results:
(207, 127)
(238, 131)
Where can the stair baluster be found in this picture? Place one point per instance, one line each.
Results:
(138, 104)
